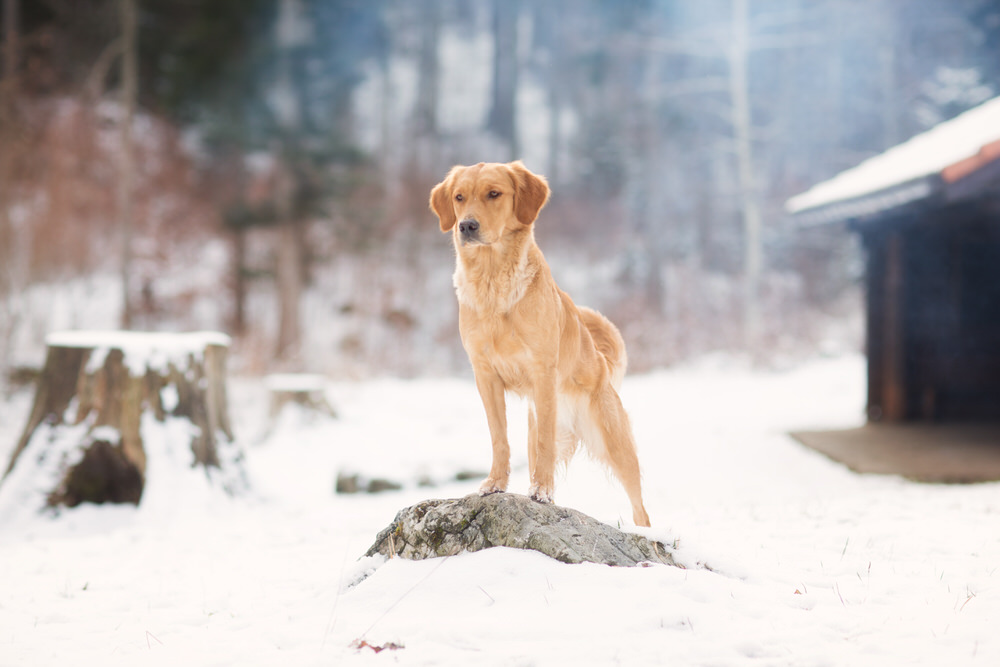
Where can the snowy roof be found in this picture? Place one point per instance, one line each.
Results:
(913, 170)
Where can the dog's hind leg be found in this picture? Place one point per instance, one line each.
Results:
(532, 440)
(609, 438)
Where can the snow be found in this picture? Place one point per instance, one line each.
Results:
(295, 382)
(925, 154)
(142, 349)
(139, 340)
(811, 564)
(52, 451)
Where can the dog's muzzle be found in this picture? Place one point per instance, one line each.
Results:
(468, 230)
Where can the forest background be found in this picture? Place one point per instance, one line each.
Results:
(262, 167)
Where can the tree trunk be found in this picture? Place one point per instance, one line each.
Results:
(740, 94)
(290, 286)
(11, 48)
(108, 402)
(8, 113)
(503, 114)
(239, 262)
(125, 164)
(291, 32)
(425, 144)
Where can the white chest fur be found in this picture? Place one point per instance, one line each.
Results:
(489, 284)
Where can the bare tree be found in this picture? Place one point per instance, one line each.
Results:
(11, 48)
(425, 113)
(8, 94)
(739, 93)
(291, 32)
(289, 269)
(551, 36)
(502, 120)
(129, 91)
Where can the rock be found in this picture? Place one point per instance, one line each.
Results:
(354, 483)
(435, 528)
(379, 485)
(469, 475)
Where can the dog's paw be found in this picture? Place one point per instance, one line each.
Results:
(540, 494)
(491, 486)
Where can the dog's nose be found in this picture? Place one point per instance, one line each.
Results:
(468, 227)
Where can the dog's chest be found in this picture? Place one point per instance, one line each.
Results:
(495, 343)
(491, 285)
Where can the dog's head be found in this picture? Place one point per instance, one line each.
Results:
(483, 202)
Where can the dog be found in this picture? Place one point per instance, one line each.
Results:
(525, 335)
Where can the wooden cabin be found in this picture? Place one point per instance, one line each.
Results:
(928, 215)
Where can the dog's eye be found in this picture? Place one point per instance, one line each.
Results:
(493, 194)
(459, 198)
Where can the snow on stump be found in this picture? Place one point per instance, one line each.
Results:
(112, 409)
(436, 528)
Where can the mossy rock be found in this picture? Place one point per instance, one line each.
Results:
(435, 528)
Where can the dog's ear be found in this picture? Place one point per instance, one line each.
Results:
(531, 194)
(441, 202)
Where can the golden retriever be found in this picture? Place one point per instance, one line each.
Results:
(525, 335)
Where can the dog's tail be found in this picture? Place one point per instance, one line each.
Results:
(609, 343)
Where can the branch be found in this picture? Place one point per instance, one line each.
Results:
(99, 72)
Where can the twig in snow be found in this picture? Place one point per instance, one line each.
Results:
(148, 644)
(400, 599)
(361, 643)
(333, 612)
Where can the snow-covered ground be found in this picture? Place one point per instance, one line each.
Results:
(811, 564)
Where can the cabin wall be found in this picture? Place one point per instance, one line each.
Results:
(933, 302)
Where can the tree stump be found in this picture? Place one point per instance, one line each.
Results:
(108, 402)
(301, 389)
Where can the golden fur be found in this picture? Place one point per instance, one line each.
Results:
(525, 335)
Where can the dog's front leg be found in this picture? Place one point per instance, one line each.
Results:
(542, 463)
(491, 390)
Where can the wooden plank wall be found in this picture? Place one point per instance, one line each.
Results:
(933, 317)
